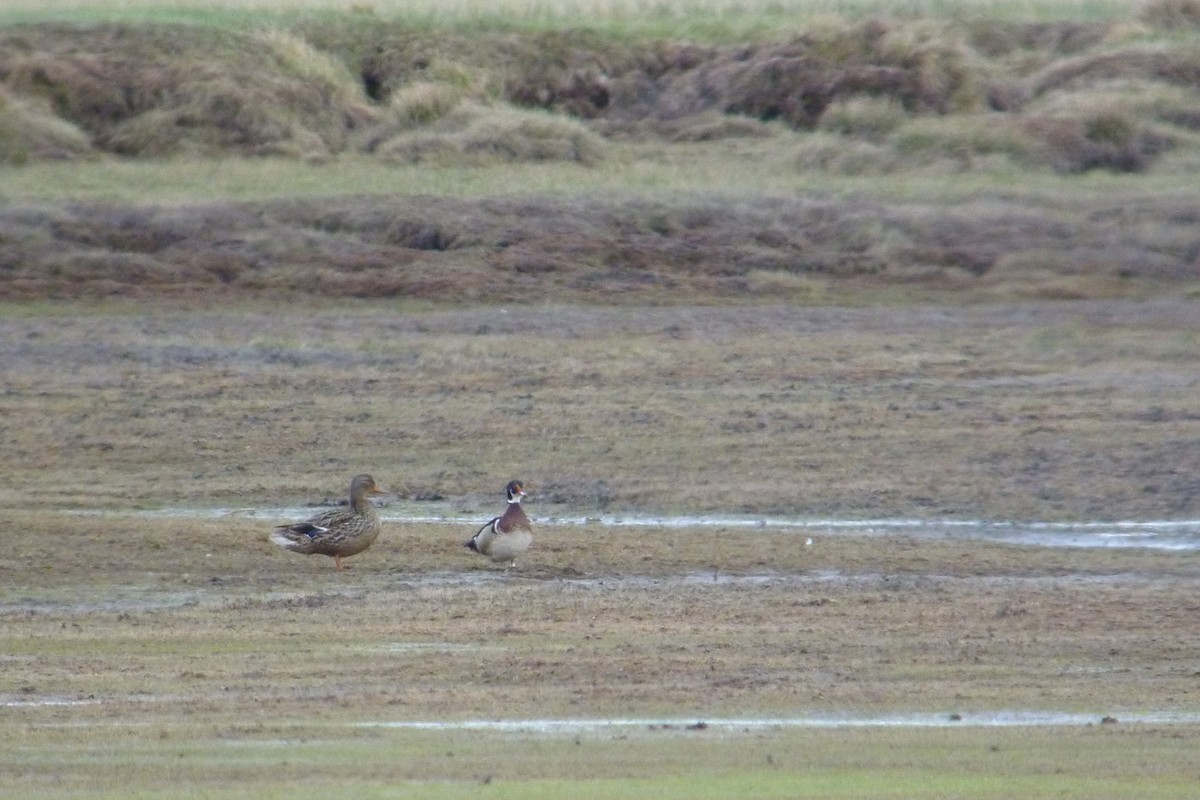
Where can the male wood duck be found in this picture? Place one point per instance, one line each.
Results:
(507, 536)
(338, 532)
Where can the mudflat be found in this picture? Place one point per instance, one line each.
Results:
(137, 441)
(1079, 410)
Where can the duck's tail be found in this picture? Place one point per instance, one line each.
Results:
(290, 540)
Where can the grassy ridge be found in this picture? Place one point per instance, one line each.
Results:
(886, 94)
(540, 241)
(1091, 121)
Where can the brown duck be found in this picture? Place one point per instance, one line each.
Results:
(338, 532)
(507, 536)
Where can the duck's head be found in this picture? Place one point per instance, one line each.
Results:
(515, 491)
(363, 485)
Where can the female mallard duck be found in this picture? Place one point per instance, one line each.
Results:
(338, 532)
(507, 536)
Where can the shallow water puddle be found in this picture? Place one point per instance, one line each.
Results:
(625, 725)
(726, 724)
(430, 647)
(1150, 534)
(52, 702)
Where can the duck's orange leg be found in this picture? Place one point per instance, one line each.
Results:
(337, 562)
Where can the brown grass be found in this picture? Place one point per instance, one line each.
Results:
(1044, 410)
(481, 135)
(31, 131)
(323, 88)
(1172, 14)
(688, 249)
(888, 97)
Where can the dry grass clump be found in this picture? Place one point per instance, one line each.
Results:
(1170, 64)
(829, 153)
(161, 90)
(1024, 42)
(863, 117)
(1103, 138)
(328, 75)
(426, 97)
(363, 83)
(1171, 14)
(423, 103)
(387, 56)
(450, 114)
(1067, 98)
(477, 134)
(31, 131)
(964, 141)
(712, 126)
(795, 81)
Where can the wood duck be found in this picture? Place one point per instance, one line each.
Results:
(338, 532)
(507, 536)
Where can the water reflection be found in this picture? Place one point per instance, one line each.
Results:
(990, 719)
(1150, 534)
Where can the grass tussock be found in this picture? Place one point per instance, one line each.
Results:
(31, 131)
(364, 83)
(1168, 14)
(479, 135)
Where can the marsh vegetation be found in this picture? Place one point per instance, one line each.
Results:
(364, 154)
(926, 261)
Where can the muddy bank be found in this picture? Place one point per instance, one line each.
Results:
(203, 617)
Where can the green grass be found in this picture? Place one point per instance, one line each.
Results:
(759, 169)
(297, 762)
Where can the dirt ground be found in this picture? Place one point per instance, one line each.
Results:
(1076, 411)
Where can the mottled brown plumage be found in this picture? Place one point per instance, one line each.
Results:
(507, 536)
(338, 532)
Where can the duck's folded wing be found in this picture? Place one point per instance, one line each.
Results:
(309, 529)
(473, 541)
